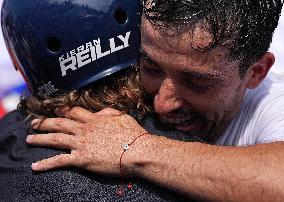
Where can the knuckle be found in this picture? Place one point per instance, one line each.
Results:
(82, 142)
(55, 139)
(75, 108)
(75, 111)
(70, 141)
(81, 127)
(59, 121)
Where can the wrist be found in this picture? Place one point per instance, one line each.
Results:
(137, 156)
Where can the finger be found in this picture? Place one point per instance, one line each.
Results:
(60, 125)
(59, 161)
(109, 112)
(54, 140)
(76, 113)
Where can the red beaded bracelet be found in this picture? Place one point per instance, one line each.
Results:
(120, 190)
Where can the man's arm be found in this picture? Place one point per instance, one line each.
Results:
(214, 173)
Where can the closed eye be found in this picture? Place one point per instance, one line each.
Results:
(199, 85)
(151, 71)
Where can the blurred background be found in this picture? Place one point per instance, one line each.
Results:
(12, 84)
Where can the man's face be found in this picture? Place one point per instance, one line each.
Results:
(195, 91)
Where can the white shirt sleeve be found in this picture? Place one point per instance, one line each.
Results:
(271, 113)
(261, 117)
(271, 121)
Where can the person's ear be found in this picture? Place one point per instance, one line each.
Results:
(259, 70)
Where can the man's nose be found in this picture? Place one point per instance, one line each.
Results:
(167, 98)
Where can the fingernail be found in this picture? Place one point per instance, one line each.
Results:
(35, 122)
(29, 138)
(34, 166)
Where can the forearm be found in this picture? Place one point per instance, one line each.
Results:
(211, 172)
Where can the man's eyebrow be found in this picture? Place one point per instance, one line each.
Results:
(199, 75)
(186, 72)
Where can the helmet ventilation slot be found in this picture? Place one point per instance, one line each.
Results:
(53, 44)
(120, 16)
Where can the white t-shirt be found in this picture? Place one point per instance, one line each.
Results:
(261, 118)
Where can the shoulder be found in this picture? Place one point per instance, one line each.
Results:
(267, 100)
(261, 116)
(12, 117)
(13, 122)
(270, 112)
(270, 89)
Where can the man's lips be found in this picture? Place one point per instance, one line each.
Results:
(185, 123)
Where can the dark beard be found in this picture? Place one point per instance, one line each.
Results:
(149, 102)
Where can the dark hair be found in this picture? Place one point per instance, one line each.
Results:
(120, 91)
(246, 27)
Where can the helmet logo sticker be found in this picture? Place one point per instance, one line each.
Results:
(90, 52)
(47, 89)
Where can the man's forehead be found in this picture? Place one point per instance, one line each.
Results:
(218, 71)
(193, 38)
(184, 50)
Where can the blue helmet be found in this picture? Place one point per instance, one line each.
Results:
(63, 45)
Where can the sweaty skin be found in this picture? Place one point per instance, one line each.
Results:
(193, 91)
(206, 172)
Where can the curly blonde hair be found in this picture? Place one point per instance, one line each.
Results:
(120, 91)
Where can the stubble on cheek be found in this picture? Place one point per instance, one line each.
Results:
(227, 112)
